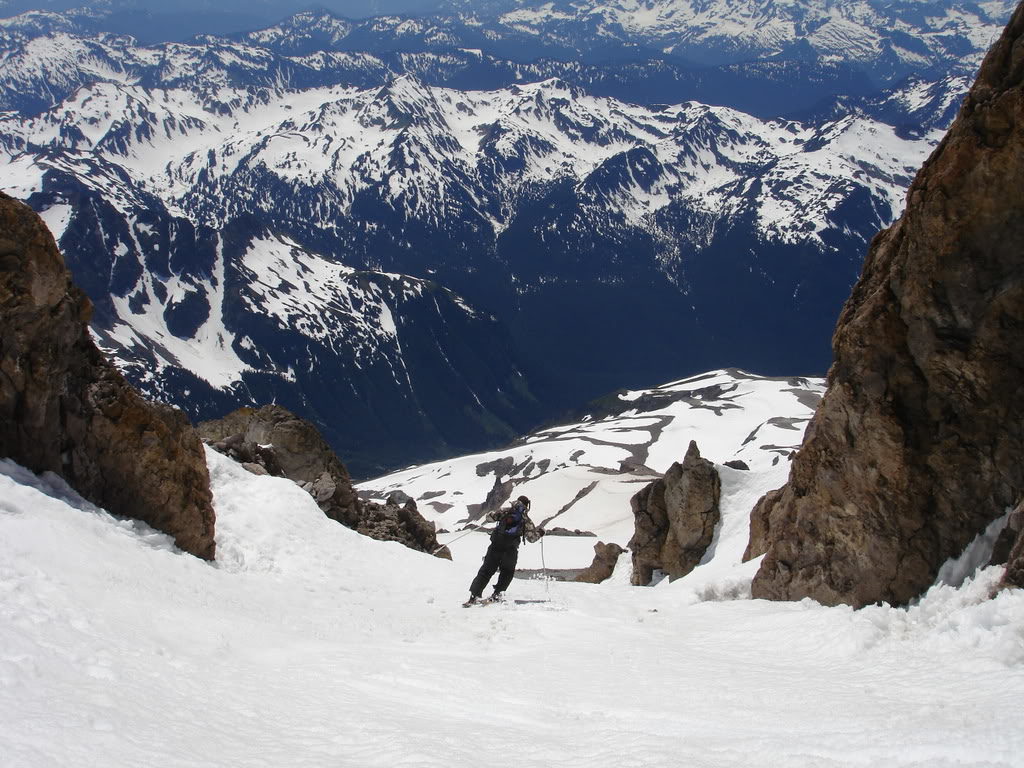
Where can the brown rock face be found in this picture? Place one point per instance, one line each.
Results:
(760, 520)
(675, 519)
(1015, 567)
(918, 442)
(272, 440)
(1007, 539)
(1009, 549)
(400, 520)
(298, 453)
(606, 556)
(65, 409)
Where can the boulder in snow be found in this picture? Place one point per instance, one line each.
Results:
(675, 518)
(606, 556)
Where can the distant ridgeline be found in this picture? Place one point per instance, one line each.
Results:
(425, 248)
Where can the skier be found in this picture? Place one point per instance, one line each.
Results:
(514, 525)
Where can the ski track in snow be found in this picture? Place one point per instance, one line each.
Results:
(306, 644)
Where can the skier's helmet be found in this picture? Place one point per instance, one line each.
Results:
(524, 501)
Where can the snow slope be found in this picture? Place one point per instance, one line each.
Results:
(308, 645)
(580, 476)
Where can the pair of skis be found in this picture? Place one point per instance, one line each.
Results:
(492, 600)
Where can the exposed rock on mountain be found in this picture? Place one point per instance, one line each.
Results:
(400, 520)
(675, 518)
(290, 447)
(759, 523)
(272, 440)
(498, 495)
(918, 442)
(1015, 567)
(65, 409)
(606, 556)
(1008, 549)
(1003, 546)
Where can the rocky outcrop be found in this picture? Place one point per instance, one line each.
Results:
(272, 440)
(918, 443)
(606, 556)
(65, 409)
(760, 520)
(399, 519)
(284, 445)
(1002, 548)
(675, 519)
(1014, 576)
(1008, 549)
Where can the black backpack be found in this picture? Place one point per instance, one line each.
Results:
(513, 522)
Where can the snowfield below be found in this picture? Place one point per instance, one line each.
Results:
(580, 476)
(306, 644)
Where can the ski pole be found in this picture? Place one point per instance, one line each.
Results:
(471, 530)
(544, 566)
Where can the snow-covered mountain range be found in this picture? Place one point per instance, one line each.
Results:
(888, 39)
(339, 233)
(763, 57)
(525, 201)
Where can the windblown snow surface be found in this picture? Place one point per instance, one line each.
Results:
(306, 644)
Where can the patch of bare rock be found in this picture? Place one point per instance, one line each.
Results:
(675, 518)
(606, 557)
(65, 409)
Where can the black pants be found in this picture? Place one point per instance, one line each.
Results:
(500, 555)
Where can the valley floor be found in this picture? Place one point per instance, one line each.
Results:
(308, 645)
